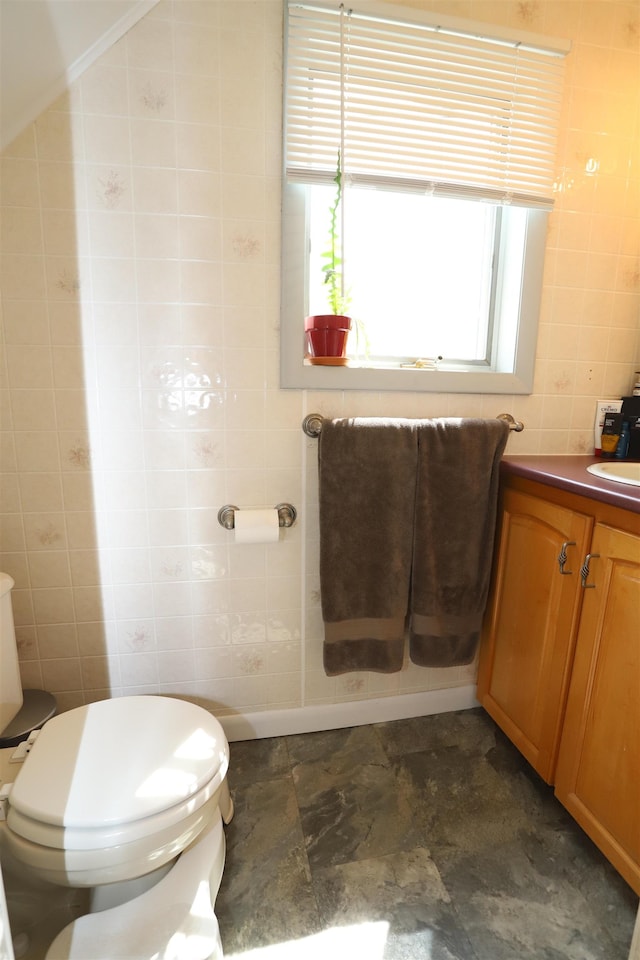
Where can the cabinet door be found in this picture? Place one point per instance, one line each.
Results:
(598, 775)
(529, 637)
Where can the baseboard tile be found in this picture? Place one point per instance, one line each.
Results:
(353, 713)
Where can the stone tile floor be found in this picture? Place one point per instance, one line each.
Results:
(422, 839)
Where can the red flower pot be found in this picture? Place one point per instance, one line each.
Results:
(326, 335)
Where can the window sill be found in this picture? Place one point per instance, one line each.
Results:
(295, 373)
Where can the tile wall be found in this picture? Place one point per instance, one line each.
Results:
(139, 368)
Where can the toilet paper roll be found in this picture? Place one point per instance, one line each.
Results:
(256, 526)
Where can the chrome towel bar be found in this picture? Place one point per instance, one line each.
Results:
(312, 424)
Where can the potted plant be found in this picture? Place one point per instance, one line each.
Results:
(326, 334)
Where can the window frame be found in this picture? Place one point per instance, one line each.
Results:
(513, 369)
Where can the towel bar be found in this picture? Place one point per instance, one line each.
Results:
(312, 424)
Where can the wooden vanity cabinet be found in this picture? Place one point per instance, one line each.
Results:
(598, 771)
(530, 635)
(559, 666)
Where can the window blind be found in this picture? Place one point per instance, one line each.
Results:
(418, 106)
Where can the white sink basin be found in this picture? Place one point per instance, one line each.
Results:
(620, 471)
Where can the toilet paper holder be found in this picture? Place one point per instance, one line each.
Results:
(287, 514)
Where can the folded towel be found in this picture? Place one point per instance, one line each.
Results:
(456, 503)
(367, 493)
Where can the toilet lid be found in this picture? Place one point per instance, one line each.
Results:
(118, 761)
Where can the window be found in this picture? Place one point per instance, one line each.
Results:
(446, 147)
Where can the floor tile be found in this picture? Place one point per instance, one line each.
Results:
(253, 760)
(349, 801)
(266, 894)
(469, 731)
(406, 893)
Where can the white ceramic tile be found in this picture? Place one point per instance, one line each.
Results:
(158, 281)
(49, 569)
(174, 633)
(61, 186)
(33, 409)
(243, 151)
(53, 605)
(107, 139)
(93, 638)
(155, 190)
(214, 662)
(197, 98)
(153, 143)
(136, 636)
(198, 146)
(139, 670)
(66, 323)
(81, 529)
(170, 564)
(172, 599)
(205, 489)
(205, 448)
(10, 495)
(129, 565)
(150, 42)
(40, 492)
(123, 450)
(57, 641)
(133, 601)
(156, 236)
(85, 567)
(210, 604)
(36, 451)
(152, 93)
(21, 231)
(61, 675)
(283, 691)
(104, 89)
(200, 238)
(22, 277)
(66, 277)
(175, 666)
(196, 49)
(19, 182)
(90, 604)
(25, 322)
(99, 673)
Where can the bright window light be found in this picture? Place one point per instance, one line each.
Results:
(167, 783)
(340, 943)
(417, 269)
(199, 746)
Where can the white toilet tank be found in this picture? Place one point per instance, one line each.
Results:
(10, 685)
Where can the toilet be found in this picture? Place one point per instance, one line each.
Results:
(125, 797)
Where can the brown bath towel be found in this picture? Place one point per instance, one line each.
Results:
(367, 493)
(456, 502)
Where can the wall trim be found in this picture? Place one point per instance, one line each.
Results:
(353, 713)
(49, 88)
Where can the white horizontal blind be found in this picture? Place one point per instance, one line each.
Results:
(417, 107)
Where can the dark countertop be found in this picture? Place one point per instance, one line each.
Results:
(570, 473)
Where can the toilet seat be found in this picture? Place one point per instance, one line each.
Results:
(116, 788)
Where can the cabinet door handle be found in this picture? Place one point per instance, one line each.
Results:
(584, 571)
(562, 557)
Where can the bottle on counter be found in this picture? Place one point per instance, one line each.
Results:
(622, 448)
